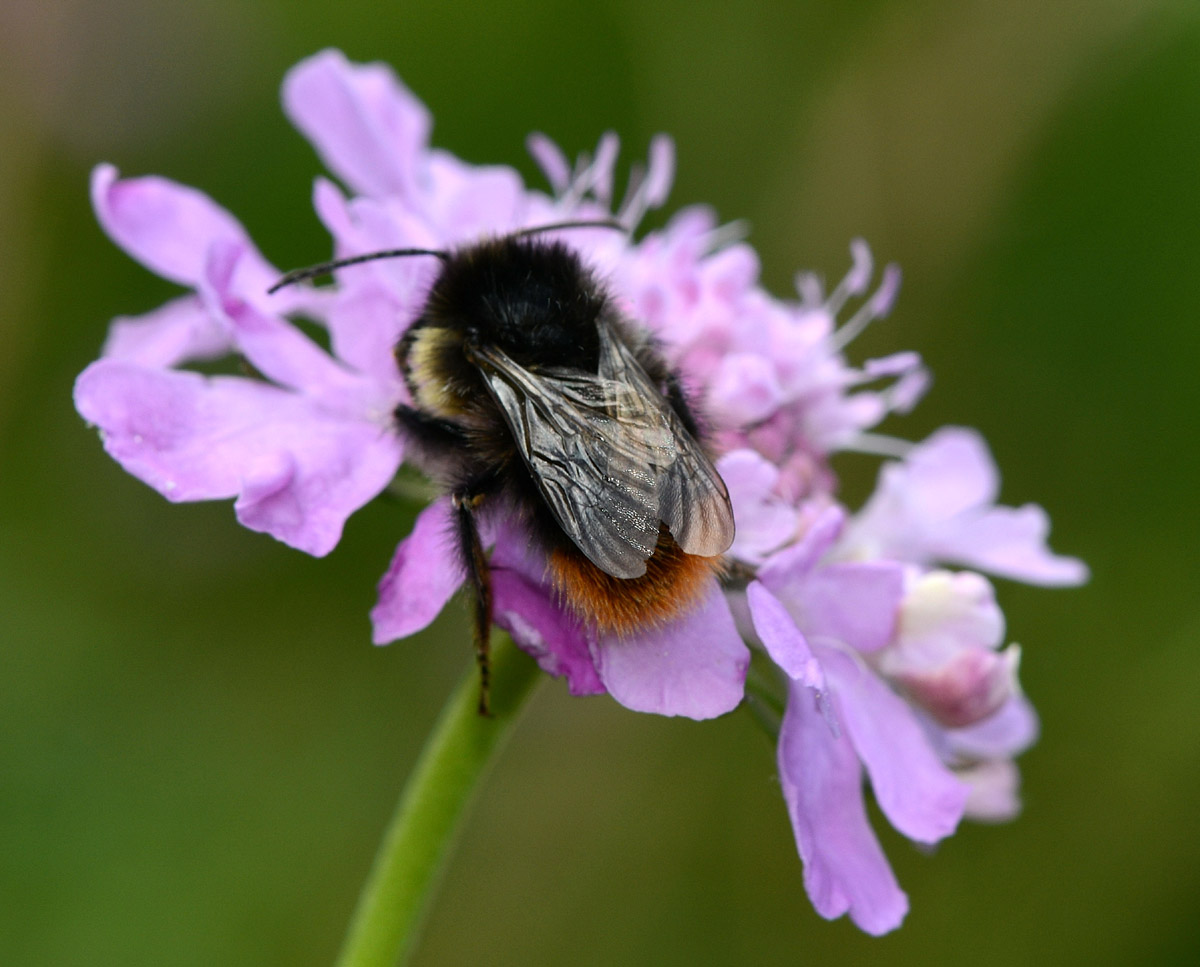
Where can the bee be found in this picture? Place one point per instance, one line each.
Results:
(533, 393)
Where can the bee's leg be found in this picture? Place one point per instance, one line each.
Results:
(466, 502)
(439, 436)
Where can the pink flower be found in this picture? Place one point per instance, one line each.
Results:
(891, 671)
(301, 449)
(821, 621)
(311, 438)
(982, 756)
(944, 654)
(938, 505)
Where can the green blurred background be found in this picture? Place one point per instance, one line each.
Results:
(198, 744)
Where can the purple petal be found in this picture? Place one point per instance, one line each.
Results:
(529, 609)
(791, 567)
(333, 210)
(944, 653)
(364, 328)
(744, 390)
(729, 276)
(968, 688)
(763, 520)
(937, 506)
(544, 629)
(322, 472)
(367, 127)
(425, 572)
(1010, 731)
(273, 346)
(1011, 542)
(466, 201)
(694, 666)
(919, 795)
(300, 471)
(782, 639)
(950, 472)
(179, 331)
(844, 867)
(943, 613)
(369, 225)
(995, 790)
(854, 604)
(169, 228)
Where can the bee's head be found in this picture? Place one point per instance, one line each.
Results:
(529, 297)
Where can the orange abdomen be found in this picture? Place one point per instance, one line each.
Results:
(673, 582)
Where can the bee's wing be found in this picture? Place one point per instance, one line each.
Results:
(693, 500)
(611, 458)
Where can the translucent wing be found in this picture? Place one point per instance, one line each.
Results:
(693, 501)
(611, 458)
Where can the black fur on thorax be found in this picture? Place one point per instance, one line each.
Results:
(531, 298)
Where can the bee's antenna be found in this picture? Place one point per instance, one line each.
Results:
(584, 223)
(325, 268)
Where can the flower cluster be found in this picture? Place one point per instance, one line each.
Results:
(891, 664)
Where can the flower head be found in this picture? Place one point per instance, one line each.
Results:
(892, 669)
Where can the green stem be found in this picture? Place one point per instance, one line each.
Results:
(418, 841)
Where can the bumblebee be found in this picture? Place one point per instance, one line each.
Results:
(532, 393)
